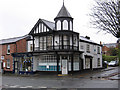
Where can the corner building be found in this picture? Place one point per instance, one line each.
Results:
(52, 47)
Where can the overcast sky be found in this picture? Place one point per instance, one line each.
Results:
(17, 17)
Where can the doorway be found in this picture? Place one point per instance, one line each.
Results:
(64, 66)
(16, 66)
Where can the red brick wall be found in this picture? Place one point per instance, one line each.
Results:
(8, 56)
(19, 46)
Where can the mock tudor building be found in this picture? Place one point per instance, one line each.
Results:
(55, 46)
(9, 46)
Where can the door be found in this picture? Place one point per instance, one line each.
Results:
(16, 66)
(64, 67)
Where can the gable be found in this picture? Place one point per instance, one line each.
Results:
(42, 26)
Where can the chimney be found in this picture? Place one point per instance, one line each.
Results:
(87, 37)
(100, 43)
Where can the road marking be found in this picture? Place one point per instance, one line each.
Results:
(13, 86)
(23, 87)
(41, 87)
(29, 86)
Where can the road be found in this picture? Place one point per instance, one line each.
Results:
(94, 79)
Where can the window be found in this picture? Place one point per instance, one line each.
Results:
(88, 48)
(98, 63)
(42, 43)
(70, 25)
(31, 47)
(98, 50)
(65, 40)
(81, 46)
(49, 42)
(59, 25)
(65, 25)
(74, 40)
(8, 63)
(48, 59)
(8, 49)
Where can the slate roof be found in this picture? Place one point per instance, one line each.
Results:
(50, 24)
(63, 12)
(82, 38)
(110, 45)
(12, 40)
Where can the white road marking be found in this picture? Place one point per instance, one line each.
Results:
(29, 86)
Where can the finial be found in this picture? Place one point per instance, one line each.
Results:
(63, 2)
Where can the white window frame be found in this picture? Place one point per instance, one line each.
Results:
(65, 25)
(8, 49)
(8, 63)
(58, 25)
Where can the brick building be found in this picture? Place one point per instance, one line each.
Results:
(9, 46)
(106, 48)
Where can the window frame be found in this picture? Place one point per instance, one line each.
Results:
(8, 64)
(8, 49)
(88, 48)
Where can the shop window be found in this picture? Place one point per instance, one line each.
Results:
(8, 63)
(8, 49)
(26, 64)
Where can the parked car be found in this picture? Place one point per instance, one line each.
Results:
(113, 63)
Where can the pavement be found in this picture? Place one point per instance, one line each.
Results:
(75, 75)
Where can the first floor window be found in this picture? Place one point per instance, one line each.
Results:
(88, 48)
(98, 50)
(31, 47)
(8, 49)
(98, 61)
(8, 63)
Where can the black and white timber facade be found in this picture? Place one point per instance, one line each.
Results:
(55, 46)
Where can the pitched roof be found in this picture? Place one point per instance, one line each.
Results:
(50, 24)
(12, 40)
(84, 39)
(110, 45)
(63, 12)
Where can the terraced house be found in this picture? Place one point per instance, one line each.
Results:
(56, 47)
(9, 46)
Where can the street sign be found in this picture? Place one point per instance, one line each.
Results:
(2, 57)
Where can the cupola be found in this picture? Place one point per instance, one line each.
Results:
(63, 20)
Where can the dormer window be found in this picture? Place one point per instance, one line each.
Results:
(59, 25)
(65, 25)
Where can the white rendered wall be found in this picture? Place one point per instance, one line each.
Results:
(93, 53)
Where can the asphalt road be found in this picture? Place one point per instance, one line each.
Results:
(96, 79)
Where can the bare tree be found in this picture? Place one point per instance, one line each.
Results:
(106, 16)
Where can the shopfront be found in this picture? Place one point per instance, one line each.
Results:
(22, 63)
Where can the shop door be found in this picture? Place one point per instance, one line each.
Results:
(16, 66)
(64, 67)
